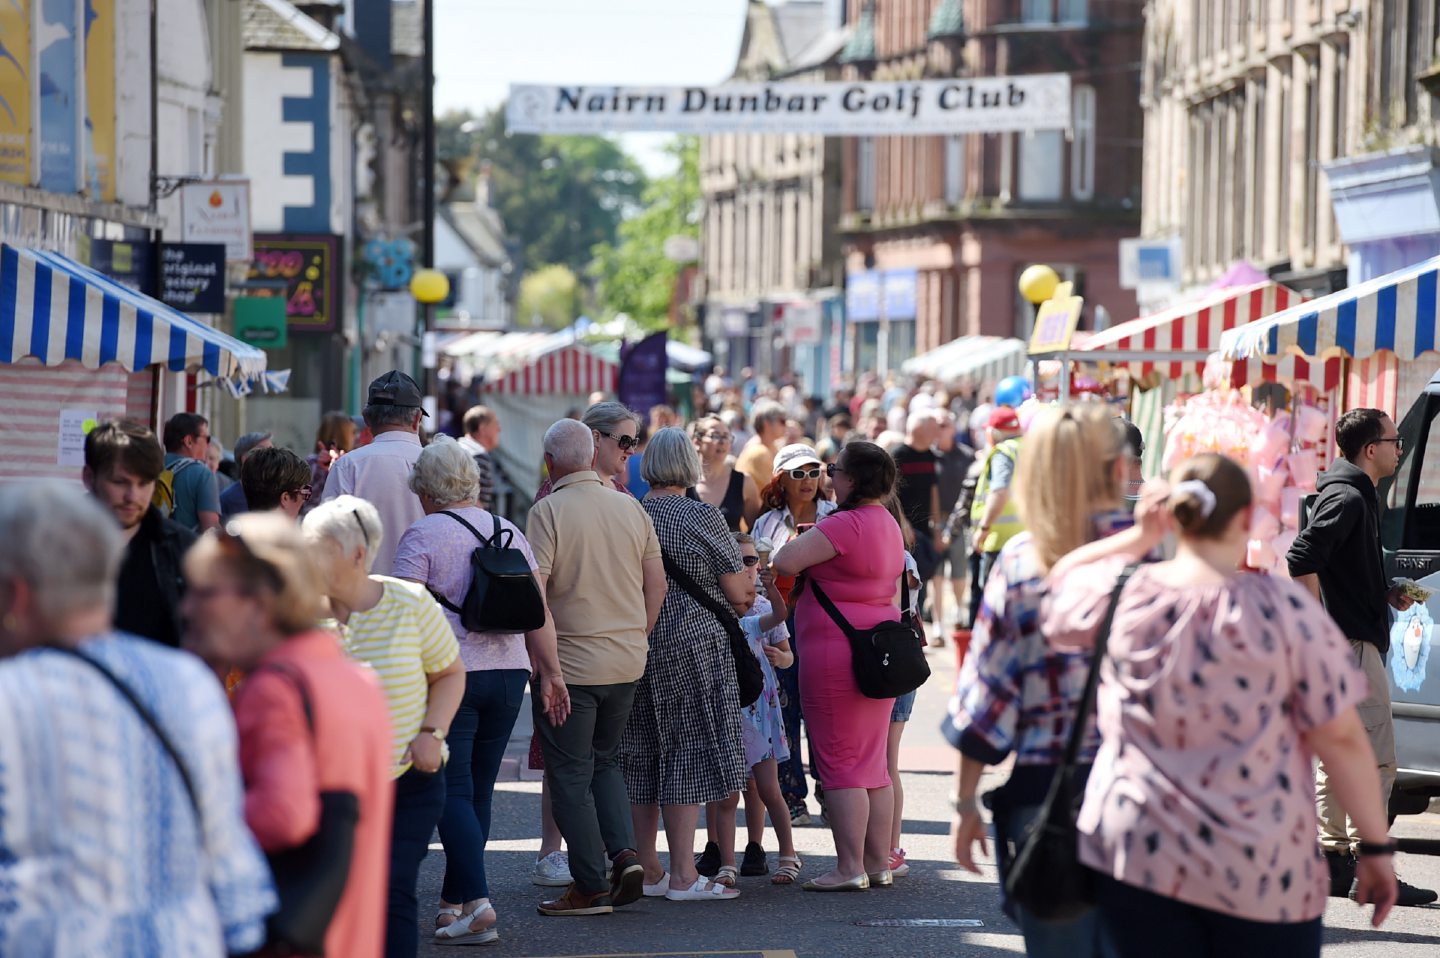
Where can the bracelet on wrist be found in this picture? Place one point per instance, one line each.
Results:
(1375, 849)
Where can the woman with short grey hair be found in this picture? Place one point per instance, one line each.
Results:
(113, 800)
(679, 758)
(435, 552)
(616, 429)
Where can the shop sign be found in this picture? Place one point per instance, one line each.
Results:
(217, 211)
(1007, 104)
(1056, 321)
(803, 323)
(302, 270)
(192, 277)
(260, 321)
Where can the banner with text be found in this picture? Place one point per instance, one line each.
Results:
(959, 105)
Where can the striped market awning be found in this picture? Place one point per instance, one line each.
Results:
(1179, 340)
(54, 309)
(1398, 312)
(1323, 374)
(536, 364)
(984, 359)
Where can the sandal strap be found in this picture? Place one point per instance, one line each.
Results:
(441, 912)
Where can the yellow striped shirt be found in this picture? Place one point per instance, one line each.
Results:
(405, 639)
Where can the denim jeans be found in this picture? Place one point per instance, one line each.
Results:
(477, 741)
(1080, 938)
(1137, 921)
(792, 771)
(419, 800)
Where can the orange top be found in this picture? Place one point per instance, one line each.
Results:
(286, 768)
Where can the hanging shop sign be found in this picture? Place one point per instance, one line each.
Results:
(192, 277)
(304, 271)
(217, 211)
(970, 105)
(260, 321)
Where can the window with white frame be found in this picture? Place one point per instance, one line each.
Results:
(865, 173)
(1041, 163)
(954, 168)
(1082, 147)
(1055, 11)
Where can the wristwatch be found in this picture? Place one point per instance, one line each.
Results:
(438, 733)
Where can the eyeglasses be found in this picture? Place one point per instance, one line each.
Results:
(750, 561)
(798, 474)
(1399, 443)
(305, 492)
(626, 443)
(230, 538)
(717, 436)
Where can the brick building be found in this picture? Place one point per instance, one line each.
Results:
(938, 229)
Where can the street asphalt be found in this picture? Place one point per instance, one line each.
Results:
(777, 922)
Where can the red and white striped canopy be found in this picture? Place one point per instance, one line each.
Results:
(1323, 374)
(1193, 328)
(571, 370)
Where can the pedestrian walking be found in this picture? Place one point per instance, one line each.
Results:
(380, 472)
(333, 439)
(436, 553)
(100, 819)
(1016, 694)
(398, 629)
(856, 555)
(956, 458)
(794, 500)
(683, 745)
(598, 562)
(757, 457)
(721, 485)
(232, 499)
(276, 480)
(481, 437)
(1218, 688)
(993, 515)
(1337, 558)
(311, 722)
(188, 484)
(907, 597)
(123, 461)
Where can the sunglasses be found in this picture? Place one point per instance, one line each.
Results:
(716, 436)
(626, 443)
(234, 543)
(812, 473)
(364, 532)
(304, 492)
(832, 469)
(750, 561)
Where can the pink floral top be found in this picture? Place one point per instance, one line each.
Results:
(1203, 789)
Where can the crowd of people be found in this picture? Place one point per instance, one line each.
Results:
(284, 691)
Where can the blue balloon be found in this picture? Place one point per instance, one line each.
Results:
(1012, 391)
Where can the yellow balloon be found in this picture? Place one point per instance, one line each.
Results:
(429, 286)
(1038, 283)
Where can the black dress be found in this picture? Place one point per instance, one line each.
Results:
(732, 507)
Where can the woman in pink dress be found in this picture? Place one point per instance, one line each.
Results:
(1219, 690)
(856, 555)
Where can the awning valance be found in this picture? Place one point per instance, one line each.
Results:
(1398, 312)
(980, 358)
(1189, 332)
(54, 309)
(536, 363)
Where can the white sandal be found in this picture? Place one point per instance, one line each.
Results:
(658, 889)
(451, 935)
(703, 890)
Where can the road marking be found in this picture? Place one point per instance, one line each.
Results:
(921, 923)
(753, 953)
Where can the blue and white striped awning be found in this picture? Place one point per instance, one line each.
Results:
(1398, 312)
(54, 309)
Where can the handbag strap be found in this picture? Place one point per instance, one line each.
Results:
(850, 631)
(301, 689)
(683, 579)
(1092, 678)
(146, 716)
(501, 538)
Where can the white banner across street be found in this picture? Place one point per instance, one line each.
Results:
(959, 105)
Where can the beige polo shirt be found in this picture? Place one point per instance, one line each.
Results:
(591, 541)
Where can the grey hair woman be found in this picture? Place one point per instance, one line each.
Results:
(615, 428)
(435, 553)
(677, 759)
(57, 586)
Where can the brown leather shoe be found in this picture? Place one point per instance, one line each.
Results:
(577, 902)
(627, 879)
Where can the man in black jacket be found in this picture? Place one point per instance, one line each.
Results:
(1337, 557)
(122, 462)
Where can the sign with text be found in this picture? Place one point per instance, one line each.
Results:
(304, 271)
(260, 321)
(217, 211)
(1038, 101)
(1055, 321)
(192, 277)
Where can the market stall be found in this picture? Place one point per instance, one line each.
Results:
(76, 347)
(980, 359)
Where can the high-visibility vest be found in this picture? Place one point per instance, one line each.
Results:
(1007, 525)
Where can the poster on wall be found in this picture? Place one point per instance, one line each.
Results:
(100, 99)
(305, 271)
(57, 43)
(15, 65)
(75, 425)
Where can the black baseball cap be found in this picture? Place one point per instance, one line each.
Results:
(395, 389)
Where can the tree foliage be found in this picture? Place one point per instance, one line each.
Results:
(633, 275)
(550, 296)
(559, 196)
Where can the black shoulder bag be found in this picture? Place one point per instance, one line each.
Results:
(747, 668)
(1047, 878)
(888, 659)
(503, 595)
(310, 878)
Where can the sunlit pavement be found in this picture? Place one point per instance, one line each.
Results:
(774, 922)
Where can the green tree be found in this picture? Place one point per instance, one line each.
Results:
(549, 296)
(633, 275)
(560, 196)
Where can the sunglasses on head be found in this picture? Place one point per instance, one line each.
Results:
(811, 473)
(626, 443)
